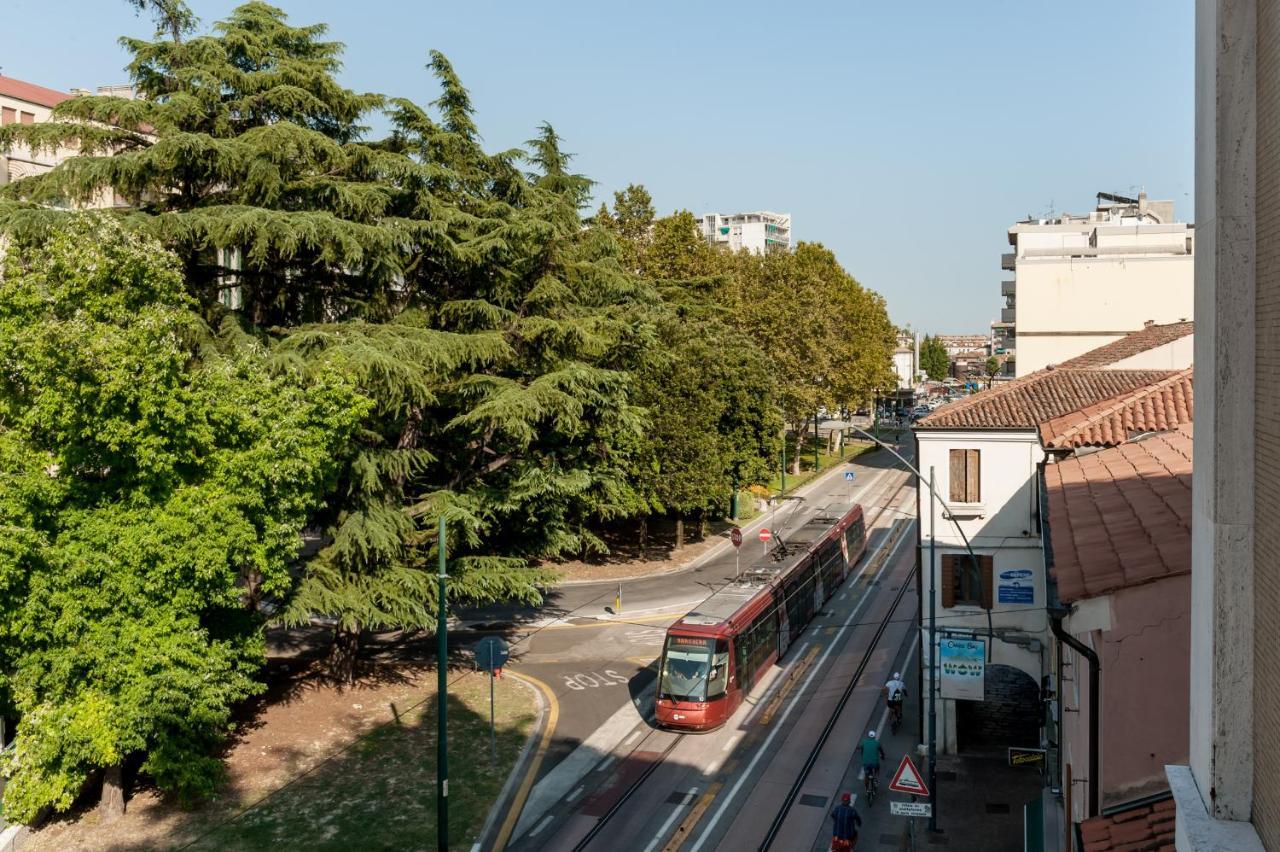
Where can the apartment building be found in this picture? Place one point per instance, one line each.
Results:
(758, 232)
(906, 360)
(1082, 281)
(1228, 794)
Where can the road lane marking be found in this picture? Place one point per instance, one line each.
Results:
(548, 729)
(574, 795)
(606, 763)
(764, 747)
(792, 676)
(686, 826)
(545, 822)
(666, 826)
(629, 740)
(730, 743)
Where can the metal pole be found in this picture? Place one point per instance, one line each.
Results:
(784, 461)
(442, 702)
(817, 464)
(933, 659)
(493, 737)
(737, 562)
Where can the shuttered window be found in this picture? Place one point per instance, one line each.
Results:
(8, 115)
(966, 477)
(961, 586)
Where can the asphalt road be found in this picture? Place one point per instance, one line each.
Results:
(596, 667)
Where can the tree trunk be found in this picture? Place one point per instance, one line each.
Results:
(679, 531)
(795, 459)
(343, 654)
(702, 525)
(644, 535)
(111, 805)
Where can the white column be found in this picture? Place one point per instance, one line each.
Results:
(1221, 736)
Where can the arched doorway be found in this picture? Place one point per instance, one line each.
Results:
(1010, 715)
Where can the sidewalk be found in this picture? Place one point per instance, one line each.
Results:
(980, 797)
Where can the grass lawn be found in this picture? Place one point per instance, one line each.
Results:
(826, 461)
(326, 767)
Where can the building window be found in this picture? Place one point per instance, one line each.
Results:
(8, 115)
(28, 118)
(966, 479)
(962, 585)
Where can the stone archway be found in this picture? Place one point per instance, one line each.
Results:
(1010, 715)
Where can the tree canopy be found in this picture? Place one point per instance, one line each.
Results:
(934, 360)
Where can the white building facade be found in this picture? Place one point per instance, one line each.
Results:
(1081, 282)
(759, 232)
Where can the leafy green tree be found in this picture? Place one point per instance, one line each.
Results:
(991, 368)
(154, 483)
(933, 358)
(632, 220)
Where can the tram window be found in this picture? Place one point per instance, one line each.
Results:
(718, 676)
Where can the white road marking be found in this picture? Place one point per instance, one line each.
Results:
(733, 741)
(606, 763)
(545, 822)
(813, 671)
(629, 740)
(690, 797)
(574, 795)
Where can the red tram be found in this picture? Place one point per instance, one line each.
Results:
(715, 654)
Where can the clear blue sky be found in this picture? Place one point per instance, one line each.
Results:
(906, 137)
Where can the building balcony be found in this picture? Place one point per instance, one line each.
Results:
(1008, 288)
(1007, 314)
(1008, 261)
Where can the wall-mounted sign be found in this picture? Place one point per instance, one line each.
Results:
(1033, 757)
(963, 663)
(1016, 586)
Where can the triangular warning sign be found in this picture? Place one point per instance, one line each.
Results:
(908, 779)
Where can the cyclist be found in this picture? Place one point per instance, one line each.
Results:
(844, 831)
(872, 754)
(894, 691)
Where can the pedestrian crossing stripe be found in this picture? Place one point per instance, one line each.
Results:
(908, 779)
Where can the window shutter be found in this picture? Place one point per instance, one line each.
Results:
(972, 477)
(985, 565)
(957, 475)
(948, 579)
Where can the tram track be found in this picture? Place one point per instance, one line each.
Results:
(671, 739)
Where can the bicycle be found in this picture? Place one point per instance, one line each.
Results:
(870, 782)
(895, 715)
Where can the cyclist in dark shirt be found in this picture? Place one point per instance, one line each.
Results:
(844, 831)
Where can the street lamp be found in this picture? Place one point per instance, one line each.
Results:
(933, 614)
(442, 700)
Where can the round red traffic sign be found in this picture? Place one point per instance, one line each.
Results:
(765, 535)
(735, 536)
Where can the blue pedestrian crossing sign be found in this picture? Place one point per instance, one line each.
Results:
(849, 475)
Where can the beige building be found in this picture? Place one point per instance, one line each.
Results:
(1228, 798)
(1081, 282)
(27, 103)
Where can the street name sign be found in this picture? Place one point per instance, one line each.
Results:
(735, 536)
(911, 809)
(765, 535)
(908, 779)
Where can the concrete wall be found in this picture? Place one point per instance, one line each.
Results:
(1145, 688)
(1068, 306)
(1177, 355)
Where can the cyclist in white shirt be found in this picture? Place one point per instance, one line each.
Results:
(894, 691)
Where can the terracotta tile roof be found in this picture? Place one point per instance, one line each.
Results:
(1044, 395)
(1131, 344)
(1146, 827)
(31, 93)
(1121, 516)
(1155, 408)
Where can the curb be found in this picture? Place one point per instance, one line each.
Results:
(724, 545)
(502, 803)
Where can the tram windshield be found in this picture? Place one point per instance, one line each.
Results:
(694, 668)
